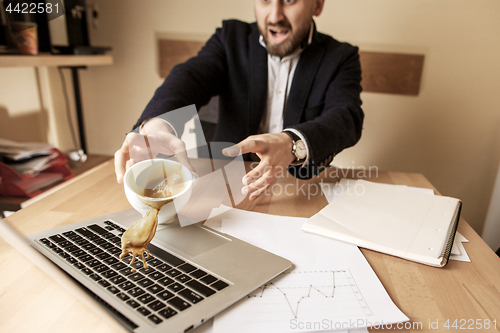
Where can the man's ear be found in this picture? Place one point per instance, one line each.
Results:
(318, 7)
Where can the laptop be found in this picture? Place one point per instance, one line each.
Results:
(194, 272)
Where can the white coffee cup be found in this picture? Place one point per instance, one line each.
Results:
(142, 173)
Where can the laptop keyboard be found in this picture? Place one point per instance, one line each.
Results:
(170, 285)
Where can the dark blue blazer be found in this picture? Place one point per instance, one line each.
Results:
(323, 104)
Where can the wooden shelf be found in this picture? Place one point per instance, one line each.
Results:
(49, 60)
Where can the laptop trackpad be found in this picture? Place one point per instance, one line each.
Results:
(192, 240)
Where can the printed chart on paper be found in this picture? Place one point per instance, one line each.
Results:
(303, 294)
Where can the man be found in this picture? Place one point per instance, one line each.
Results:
(286, 92)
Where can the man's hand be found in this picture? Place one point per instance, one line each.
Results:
(155, 137)
(275, 153)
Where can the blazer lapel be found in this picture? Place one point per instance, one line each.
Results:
(257, 83)
(309, 62)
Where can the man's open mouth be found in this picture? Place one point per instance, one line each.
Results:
(278, 35)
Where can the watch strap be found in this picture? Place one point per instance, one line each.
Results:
(295, 138)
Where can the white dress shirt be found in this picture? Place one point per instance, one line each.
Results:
(279, 81)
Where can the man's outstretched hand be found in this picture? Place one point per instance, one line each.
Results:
(154, 138)
(275, 153)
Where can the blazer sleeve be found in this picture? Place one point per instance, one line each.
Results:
(339, 123)
(192, 82)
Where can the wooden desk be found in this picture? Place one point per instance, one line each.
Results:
(31, 301)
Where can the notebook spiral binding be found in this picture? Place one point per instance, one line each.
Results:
(446, 251)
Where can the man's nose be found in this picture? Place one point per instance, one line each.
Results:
(276, 14)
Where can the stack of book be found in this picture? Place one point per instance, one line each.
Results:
(28, 167)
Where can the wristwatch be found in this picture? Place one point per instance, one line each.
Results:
(298, 148)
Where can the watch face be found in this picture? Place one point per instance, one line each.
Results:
(300, 151)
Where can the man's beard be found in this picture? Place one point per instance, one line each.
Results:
(292, 43)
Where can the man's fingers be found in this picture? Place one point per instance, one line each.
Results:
(257, 193)
(252, 144)
(129, 163)
(263, 182)
(121, 157)
(178, 147)
(184, 160)
(139, 147)
(255, 173)
(232, 151)
(119, 166)
(135, 139)
(139, 153)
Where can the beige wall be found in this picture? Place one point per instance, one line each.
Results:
(448, 132)
(32, 107)
(20, 112)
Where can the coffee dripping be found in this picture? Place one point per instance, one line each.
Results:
(136, 238)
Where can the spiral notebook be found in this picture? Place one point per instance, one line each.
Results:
(394, 220)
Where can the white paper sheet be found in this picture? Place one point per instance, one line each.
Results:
(454, 249)
(331, 286)
(458, 243)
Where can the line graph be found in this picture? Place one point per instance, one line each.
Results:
(304, 293)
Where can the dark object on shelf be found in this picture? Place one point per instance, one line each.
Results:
(42, 21)
(76, 22)
(81, 50)
(77, 31)
(8, 42)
